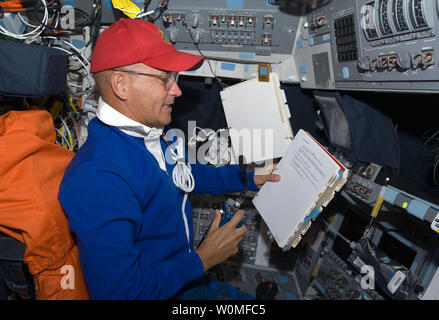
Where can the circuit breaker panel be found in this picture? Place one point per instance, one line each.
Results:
(382, 45)
(258, 32)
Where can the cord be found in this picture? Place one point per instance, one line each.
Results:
(352, 244)
(182, 173)
(88, 77)
(435, 175)
(241, 196)
(51, 24)
(144, 14)
(199, 51)
(79, 57)
(433, 152)
(160, 9)
(64, 132)
(127, 11)
(196, 137)
(431, 138)
(25, 22)
(182, 178)
(90, 18)
(32, 34)
(78, 53)
(62, 135)
(219, 151)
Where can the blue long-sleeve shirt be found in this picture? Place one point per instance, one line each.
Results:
(126, 213)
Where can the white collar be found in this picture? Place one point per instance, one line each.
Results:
(112, 117)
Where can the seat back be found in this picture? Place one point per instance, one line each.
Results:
(15, 280)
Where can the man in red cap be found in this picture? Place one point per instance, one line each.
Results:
(128, 206)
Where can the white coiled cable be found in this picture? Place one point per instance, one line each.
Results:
(182, 173)
(183, 179)
(32, 34)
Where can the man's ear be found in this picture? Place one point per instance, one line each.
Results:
(119, 85)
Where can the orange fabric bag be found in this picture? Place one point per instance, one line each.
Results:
(31, 169)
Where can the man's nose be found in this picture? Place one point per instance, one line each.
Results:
(175, 90)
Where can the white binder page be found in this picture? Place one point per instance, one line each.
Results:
(259, 126)
(305, 170)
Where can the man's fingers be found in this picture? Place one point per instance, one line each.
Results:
(216, 220)
(241, 232)
(273, 177)
(237, 217)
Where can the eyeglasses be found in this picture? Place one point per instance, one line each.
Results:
(168, 80)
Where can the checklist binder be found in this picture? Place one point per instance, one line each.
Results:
(310, 176)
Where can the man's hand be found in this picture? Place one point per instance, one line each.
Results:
(261, 179)
(221, 242)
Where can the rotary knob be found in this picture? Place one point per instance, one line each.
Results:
(364, 64)
(404, 61)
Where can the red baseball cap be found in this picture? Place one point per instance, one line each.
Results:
(130, 41)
